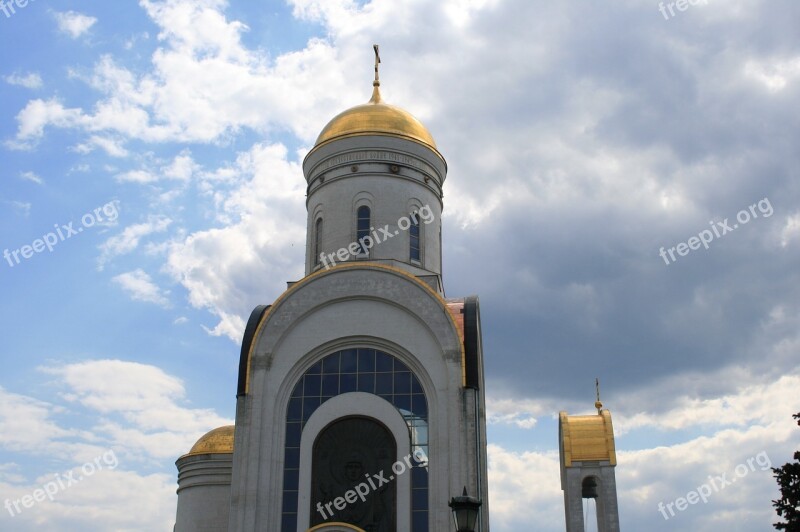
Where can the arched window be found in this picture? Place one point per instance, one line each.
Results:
(317, 241)
(362, 226)
(413, 239)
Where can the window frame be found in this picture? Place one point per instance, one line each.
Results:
(363, 232)
(318, 225)
(414, 219)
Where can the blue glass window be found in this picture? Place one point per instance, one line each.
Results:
(317, 241)
(362, 225)
(349, 361)
(413, 239)
(383, 362)
(330, 385)
(293, 431)
(347, 383)
(365, 370)
(366, 382)
(295, 410)
(311, 385)
(403, 402)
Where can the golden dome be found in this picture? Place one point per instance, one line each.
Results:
(219, 441)
(376, 118)
(587, 438)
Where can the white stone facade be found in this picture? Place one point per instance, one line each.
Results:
(357, 305)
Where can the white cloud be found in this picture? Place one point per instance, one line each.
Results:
(79, 168)
(524, 488)
(522, 414)
(141, 288)
(136, 411)
(752, 403)
(137, 176)
(38, 114)
(182, 167)
(147, 396)
(9, 473)
(26, 424)
(22, 207)
(790, 230)
(128, 240)
(98, 503)
(684, 401)
(32, 177)
(31, 80)
(774, 75)
(73, 23)
(204, 85)
(223, 269)
(112, 147)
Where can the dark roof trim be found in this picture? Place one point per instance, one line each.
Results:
(473, 350)
(247, 343)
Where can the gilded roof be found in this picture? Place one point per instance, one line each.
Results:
(217, 441)
(376, 118)
(587, 438)
(456, 309)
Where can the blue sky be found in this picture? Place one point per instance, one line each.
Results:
(580, 139)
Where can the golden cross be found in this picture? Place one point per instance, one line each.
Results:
(377, 62)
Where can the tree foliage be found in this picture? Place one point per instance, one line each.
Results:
(788, 506)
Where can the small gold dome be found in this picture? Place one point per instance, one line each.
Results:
(376, 118)
(219, 441)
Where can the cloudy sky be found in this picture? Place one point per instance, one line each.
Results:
(159, 144)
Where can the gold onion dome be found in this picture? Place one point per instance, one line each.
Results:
(376, 118)
(217, 441)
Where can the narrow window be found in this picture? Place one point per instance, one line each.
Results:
(317, 241)
(413, 239)
(362, 226)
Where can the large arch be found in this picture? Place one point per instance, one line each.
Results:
(315, 290)
(355, 404)
(397, 313)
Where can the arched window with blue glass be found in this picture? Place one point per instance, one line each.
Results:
(414, 250)
(358, 370)
(317, 241)
(363, 223)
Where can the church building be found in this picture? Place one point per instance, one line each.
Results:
(360, 400)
